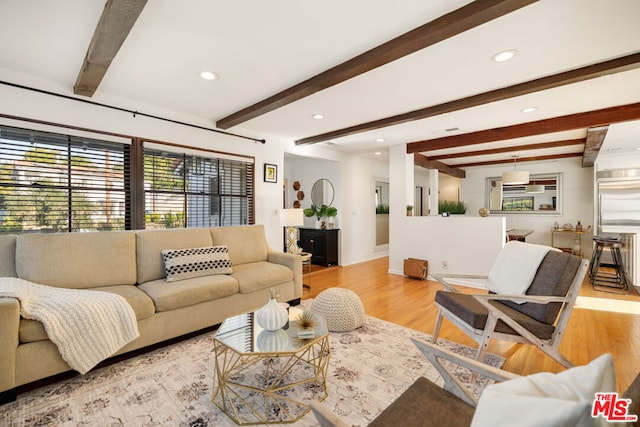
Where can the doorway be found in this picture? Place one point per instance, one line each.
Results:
(381, 203)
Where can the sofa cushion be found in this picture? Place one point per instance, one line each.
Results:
(150, 243)
(254, 276)
(77, 260)
(8, 255)
(246, 243)
(170, 296)
(180, 264)
(141, 303)
(33, 330)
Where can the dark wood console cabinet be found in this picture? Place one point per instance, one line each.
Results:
(322, 244)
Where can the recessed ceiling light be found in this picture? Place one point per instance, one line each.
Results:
(380, 140)
(208, 75)
(318, 116)
(503, 56)
(378, 153)
(529, 109)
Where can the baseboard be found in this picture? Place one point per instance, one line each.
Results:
(8, 396)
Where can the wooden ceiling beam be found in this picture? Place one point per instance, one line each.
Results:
(420, 160)
(510, 149)
(600, 69)
(463, 19)
(606, 116)
(594, 140)
(118, 17)
(520, 160)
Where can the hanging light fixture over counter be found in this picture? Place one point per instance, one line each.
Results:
(533, 188)
(515, 177)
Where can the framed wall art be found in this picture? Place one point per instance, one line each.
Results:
(270, 173)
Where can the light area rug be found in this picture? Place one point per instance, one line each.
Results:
(172, 386)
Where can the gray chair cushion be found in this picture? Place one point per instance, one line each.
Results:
(475, 314)
(425, 404)
(554, 277)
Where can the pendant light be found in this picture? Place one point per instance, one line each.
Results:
(534, 188)
(515, 176)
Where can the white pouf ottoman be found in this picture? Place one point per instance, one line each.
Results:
(341, 308)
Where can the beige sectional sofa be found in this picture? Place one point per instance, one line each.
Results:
(130, 264)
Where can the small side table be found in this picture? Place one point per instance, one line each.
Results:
(306, 261)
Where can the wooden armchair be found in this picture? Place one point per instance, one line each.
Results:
(567, 396)
(540, 320)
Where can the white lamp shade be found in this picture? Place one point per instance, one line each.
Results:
(515, 177)
(291, 217)
(534, 189)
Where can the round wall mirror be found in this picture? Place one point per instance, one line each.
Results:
(322, 192)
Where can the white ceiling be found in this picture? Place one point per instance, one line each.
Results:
(259, 48)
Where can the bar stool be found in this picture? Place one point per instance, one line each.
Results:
(608, 281)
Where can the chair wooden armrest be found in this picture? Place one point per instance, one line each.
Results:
(452, 384)
(442, 279)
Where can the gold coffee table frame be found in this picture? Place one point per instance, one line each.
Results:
(265, 377)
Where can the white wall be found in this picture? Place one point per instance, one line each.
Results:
(421, 179)
(455, 244)
(577, 197)
(351, 175)
(32, 105)
(468, 244)
(353, 179)
(449, 188)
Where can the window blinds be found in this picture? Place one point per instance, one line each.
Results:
(54, 182)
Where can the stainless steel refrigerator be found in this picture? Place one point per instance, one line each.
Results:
(618, 198)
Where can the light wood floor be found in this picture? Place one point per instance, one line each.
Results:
(409, 302)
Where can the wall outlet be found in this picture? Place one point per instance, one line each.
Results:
(445, 264)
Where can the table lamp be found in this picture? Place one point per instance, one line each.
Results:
(291, 218)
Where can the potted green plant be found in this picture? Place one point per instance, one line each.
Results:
(319, 213)
(332, 212)
(451, 207)
(409, 210)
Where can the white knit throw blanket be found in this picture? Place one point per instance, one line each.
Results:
(87, 326)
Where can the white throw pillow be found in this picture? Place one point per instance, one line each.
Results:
(546, 399)
(180, 264)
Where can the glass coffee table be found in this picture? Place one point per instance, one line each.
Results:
(266, 377)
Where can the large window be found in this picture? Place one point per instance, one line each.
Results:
(184, 190)
(54, 182)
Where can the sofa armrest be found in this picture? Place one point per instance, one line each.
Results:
(294, 262)
(9, 323)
